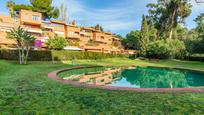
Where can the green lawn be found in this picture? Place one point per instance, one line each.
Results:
(27, 89)
(127, 62)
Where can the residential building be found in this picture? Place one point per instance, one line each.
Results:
(6, 23)
(86, 38)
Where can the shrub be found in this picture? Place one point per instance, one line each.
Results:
(56, 43)
(73, 43)
(59, 55)
(164, 49)
(195, 57)
(195, 46)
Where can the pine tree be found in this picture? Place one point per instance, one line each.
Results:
(144, 34)
(152, 32)
(45, 7)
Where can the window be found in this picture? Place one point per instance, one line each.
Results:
(76, 33)
(35, 17)
(1, 20)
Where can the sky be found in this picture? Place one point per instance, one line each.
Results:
(118, 16)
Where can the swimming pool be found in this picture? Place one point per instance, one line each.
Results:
(136, 77)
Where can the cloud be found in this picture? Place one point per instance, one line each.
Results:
(119, 16)
(197, 7)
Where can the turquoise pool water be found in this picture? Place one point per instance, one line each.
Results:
(137, 77)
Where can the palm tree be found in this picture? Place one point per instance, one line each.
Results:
(10, 4)
(23, 41)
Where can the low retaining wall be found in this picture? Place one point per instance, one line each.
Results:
(54, 75)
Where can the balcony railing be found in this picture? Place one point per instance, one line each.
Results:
(32, 30)
(48, 26)
(59, 32)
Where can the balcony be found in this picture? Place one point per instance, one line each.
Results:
(73, 36)
(3, 24)
(83, 33)
(47, 26)
(33, 30)
(59, 32)
(6, 27)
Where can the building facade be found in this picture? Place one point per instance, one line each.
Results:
(85, 38)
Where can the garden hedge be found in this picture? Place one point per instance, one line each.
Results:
(59, 55)
(195, 57)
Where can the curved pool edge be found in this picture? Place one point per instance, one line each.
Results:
(54, 75)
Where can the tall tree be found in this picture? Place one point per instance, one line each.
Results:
(132, 40)
(180, 32)
(63, 13)
(168, 13)
(178, 9)
(158, 15)
(23, 41)
(144, 34)
(45, 7)
(198, 43)
(99, 27)
(19, 7)
(200, 25)
(120, 37)
(152, 32)
(10, 5)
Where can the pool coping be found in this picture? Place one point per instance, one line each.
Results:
(54, 75)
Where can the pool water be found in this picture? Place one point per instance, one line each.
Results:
(137, 77)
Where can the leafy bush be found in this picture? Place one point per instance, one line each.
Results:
(73, 43)
(71, 55)
(164, 49)
(56, 43)
(195, 46)
(199, 46)
(59, 55)
(92, 43)
(195, 57)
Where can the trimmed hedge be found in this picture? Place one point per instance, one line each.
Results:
(59, 55)
(195, 57)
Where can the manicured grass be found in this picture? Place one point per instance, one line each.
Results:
(27, 89)
(127, 62)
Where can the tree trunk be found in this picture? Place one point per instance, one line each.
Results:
(27, 52)
(23, 56)
(19, 54)
(172, 22)
(171, 33)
